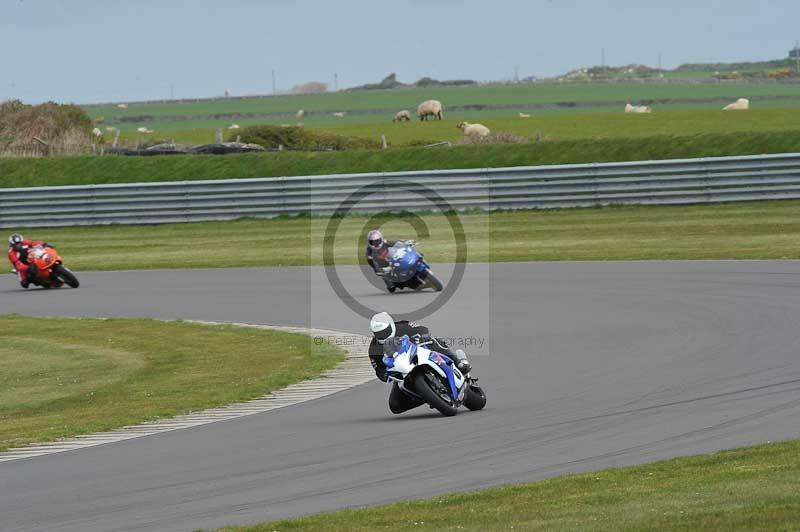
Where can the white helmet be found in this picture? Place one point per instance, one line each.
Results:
(375, 239)
(382, 327)
(15, 239)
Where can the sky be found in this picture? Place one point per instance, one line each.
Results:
(86, 51)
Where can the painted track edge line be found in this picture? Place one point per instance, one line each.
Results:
(342, 377)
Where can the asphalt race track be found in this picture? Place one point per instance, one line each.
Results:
(592, 365)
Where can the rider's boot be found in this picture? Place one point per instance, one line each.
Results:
(461, 361)
(389, 285)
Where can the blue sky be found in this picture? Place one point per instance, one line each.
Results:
(113, 50)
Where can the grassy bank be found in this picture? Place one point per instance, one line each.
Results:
(120, 169)
(752, 230)
(749, 489)
(63, 377)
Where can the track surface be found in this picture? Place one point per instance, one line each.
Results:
(592, 365)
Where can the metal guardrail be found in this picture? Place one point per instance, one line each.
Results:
(709, 180)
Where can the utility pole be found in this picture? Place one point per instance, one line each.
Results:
(274, 85)
(516, 73)
(336, 82)
(659, 63)
(171, 91)
(603, 57)
(797, 56)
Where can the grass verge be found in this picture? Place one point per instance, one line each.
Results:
(63, 377)
(30, 172)
(749, 230)
(750, 489)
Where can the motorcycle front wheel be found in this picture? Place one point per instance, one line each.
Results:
(434, 392)
(433, 281)
(63, 273)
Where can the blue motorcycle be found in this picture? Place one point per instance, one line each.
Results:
(408, 270)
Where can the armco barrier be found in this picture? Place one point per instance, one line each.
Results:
(722, 179)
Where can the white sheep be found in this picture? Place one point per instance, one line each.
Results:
(96, 132)
(401, 115)
(523, 115)
(340, 114)
(234, 126)
(300, 113)
(473, 130)
(122, 105)
(638, 109)
(144, 130)
(430, 108)
(742, 104)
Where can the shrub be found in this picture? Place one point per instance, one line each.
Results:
(66, 128)
(296, 138)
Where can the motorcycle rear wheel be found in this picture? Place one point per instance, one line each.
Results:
(426, 387)
(63, 273)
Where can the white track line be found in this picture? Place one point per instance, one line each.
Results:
(354, 370)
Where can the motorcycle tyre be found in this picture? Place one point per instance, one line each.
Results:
(474, 398)
(63, 273)
(433, 281)
(424, 390)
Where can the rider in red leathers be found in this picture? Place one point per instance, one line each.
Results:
(18, 256)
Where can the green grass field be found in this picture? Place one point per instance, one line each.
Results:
(757, 230)
(409, 98)
(63, 377)
(748, 490)
(572, 124)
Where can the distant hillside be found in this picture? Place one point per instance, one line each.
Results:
(390, 82)
(778, 69)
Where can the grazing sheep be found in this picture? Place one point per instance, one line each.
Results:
(110, 129)
(300, 113)
(473, 130)
(638, 109)
(144, 130)
(340, 114)
(96, 132)
(402, 115)
(741, 104)
(233, 126)
(122, 105)
(430, 108)
(523, 115)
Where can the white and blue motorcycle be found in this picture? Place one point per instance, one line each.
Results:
(431, 377)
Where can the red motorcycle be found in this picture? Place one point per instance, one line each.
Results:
(48, 270)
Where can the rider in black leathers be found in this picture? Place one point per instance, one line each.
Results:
(384, 327)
